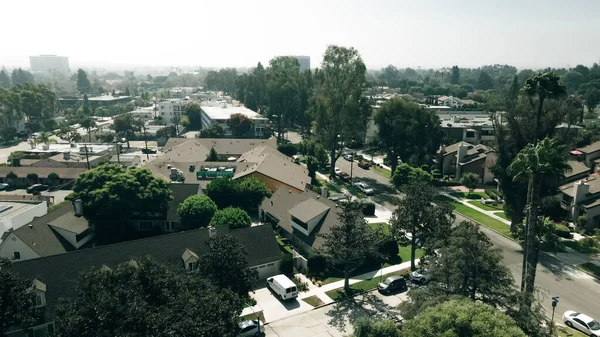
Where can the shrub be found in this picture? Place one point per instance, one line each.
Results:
(302, 286)
(562, 231)
(388, 248)
(317, 264)
(425, 167)
(287, 149)
(231, 216)
(589, 245)
(491, 193)
(287, 264)
(368, 208)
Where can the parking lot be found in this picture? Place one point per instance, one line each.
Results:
(59, 196)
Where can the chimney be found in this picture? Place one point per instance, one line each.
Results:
(78, 207)
(580, 189)
(67, 155)
(212, 232)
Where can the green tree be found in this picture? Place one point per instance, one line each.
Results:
(339, 106)
(20, 76)
(16, 302)
(167, 132)
(592, 98)
(543, 86)
(241, 126)
(419, 220)
(544, 161)
(251, 192)
(193, 113)
(111, 195)
(125, 125)
(282, 91)
(223, 192)
(406, 174)
(213, 131)
(45, 138)
(484, 81)
(32, 178)
(350, 241)
(231, 217)
(226, 265)
(53, 179)
(83, 83)
(366, 327)
(196, 211)
(455, 76)
(470, 181)
(146, 298)
(572, 81)
(4, 79)
(212, 155)
(88, 124)
(408, 131)
(462, 318)
(68, 134)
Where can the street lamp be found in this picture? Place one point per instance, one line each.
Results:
(554, 303)
(117, 149)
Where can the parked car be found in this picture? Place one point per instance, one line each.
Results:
(366, 189)
(348, 157)
(392, 284)
(337, 170)
(148, 151)
(344, 176)
(37, 188)
(364, 165)
(418, 276)
(250, 328)
(4, 186)
(581, 322)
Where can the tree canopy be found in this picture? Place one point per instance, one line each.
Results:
(196, 211)
(246, 193)
(83, 83)
(241, 126)
(231, 217)
(16, 303)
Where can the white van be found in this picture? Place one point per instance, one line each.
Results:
(283, 287)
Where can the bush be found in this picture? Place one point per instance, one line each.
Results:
(302, 286)
(589, 245)
(231, 216)
(388, 248)
(368, 208)
(562, 231)
(317, 264)
(287, 149)
(491, 193)
(425, 167)
(287, 264)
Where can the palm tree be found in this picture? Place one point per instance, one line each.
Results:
(545, 161)
(45, 138)
(545, 86)
(88, 124)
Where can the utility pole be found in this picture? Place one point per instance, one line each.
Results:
(117, 149)
(87, 158)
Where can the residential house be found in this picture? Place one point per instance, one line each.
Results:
(471, 128)
(65, 175)
(300, 217)
(589, 154)
(582, 198)
(55, 276)
(577, 171)
(126, 160)
(61, 230)
(16, 214)
(462, 157)
(454, 102)
(67, 160)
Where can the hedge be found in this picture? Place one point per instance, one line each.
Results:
(287, 149)
(317, 264)
(388, 248)
(287, 264)
(368, 208)
(562, 231)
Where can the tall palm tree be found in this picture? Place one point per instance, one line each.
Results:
(545, 161)
(88, 124)
(45, 138)
(544, 86)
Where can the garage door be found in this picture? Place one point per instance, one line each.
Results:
(268, 269)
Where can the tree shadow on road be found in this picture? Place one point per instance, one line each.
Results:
(366, 305)
(384, 194)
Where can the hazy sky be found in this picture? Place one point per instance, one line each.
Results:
(426, 33)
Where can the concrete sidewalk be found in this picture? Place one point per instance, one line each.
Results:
(468, 204)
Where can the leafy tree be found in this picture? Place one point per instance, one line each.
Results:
(462, 318)
(282, 91)
(408, 131)
(11, 175)
(147, 299)
(231, 217)
(592, 98)
(241, 125)
(126, 125)
(213, 131)
(226, 265)
(32, 178)
(193, 113)
(69, 134)
(83, 83)
(107, 137)
(406, 174)
(341, 110)
(366, 327)
(419, 220)
(196, 211)
(53, 179)
(223, 191)
(484, 81)
(544, 161)
(455, 76)
(185, 121)
(45, 138)
(111, 195)
(350, 241)
(469, 180)
(20, 76)
(251, 192)
(16, 303)
(88, 124)
(167, 132)
(543, 86)
(572, 81)
(4, 79)
(212, 155)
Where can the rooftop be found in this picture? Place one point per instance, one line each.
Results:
(590, 148)
(73, 148)
(308, 210)
(220, 113)
(9, 209)
(43, 172)
(105, 98)
(576, 168)
(593, 181)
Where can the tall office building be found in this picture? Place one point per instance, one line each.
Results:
(304, 62)
(49, 64)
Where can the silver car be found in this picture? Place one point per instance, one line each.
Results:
(250, 328)
(366, 189)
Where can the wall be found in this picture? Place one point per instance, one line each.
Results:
(71, 237)
(19, 219)
(589, 158)
(13, 244)
(476, 167)
(267, 269)
(449, 164)
(271, 183)
(490, 161)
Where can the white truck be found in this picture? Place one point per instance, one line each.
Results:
(283, 287)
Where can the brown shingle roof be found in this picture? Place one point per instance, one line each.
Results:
(308, 210)
(593, 181)
(42, 172)
(576, 168)
(590, 148)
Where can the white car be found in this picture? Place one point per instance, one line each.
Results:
(337, 170)
(366, 189)
(418, 276)
(348, 157)
(582, 323)
(250, 328)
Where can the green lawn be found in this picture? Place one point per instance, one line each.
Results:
(590, 267)
(477, 216)
(568, 332)
(333, 189)
(473, 195)
(313, 300)
(486, 207)
(384, 172)
(252, 316)
(403, 251)
(362, 286)
(502, 215)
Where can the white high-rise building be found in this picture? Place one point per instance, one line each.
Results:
(49, 64)
(304, 62)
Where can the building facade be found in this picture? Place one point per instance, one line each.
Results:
(304, 62)
(221, 114)
(49, 64)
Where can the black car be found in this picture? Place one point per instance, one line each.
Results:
(148, 151)
(37, 188)
(392, 284)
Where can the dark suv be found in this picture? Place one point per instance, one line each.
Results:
(392, 284)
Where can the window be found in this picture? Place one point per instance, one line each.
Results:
(145, 225)
(42, 330)
(193, 265)
(169, 226)
(470, 134)
(270, 264)
(16, 255)
(40, 300)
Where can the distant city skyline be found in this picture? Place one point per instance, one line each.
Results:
(236, 33)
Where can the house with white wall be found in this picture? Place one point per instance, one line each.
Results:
(582, 198)
(16, 214)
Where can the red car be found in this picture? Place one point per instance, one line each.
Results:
(364, 165)
(344, 176)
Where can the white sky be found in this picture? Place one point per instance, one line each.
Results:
(427, 33)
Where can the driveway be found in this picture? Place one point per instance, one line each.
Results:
(6, 151)
(273, 309)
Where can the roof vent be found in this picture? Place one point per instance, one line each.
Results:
(30, 226)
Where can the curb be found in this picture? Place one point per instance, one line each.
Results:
(585, 271)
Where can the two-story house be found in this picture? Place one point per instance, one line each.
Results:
(582, 198)
(463, 157)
